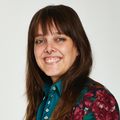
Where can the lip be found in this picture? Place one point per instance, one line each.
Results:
(52, 59)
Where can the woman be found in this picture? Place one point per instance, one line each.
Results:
(59, 61)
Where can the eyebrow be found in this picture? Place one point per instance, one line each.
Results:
(37, 35)
(55, 33)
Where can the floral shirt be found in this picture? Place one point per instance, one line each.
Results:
(95, 103)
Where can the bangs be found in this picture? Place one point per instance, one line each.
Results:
(49, 20)
(48, 24)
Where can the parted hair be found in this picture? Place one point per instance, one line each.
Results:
(66, 21)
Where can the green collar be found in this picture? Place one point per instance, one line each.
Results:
(49, 86)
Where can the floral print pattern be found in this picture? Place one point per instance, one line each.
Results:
(97, 103)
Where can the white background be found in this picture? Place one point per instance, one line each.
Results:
(101, 20)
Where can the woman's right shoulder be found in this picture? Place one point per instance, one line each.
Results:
(95, 102)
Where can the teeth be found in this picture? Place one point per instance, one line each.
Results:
(52, 59)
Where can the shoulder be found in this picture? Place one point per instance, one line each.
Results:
(95, 102)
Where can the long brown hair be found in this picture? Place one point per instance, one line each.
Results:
(66, 21)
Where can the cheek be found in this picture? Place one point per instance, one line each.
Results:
(70, 51)
(70, 54)
(37, 53)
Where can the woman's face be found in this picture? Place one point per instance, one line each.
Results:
(54, 53)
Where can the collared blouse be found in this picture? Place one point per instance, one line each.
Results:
(95, 102)
(52, 95)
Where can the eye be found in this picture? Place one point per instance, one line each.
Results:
(39, 41)
(60, 39)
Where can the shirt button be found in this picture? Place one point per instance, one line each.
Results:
(54, 88)
(44, 98)
(47, 110)
(48, 102)
(46, 118)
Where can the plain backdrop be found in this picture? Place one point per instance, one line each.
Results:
(101, 20)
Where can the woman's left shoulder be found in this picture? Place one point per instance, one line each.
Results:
(96, 102)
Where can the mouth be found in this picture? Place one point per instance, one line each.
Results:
(52, 60)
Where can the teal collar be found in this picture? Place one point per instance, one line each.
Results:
(49, 86)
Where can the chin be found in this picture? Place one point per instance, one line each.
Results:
(53, 75)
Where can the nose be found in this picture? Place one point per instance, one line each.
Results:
(49, 48)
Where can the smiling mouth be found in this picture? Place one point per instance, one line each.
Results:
(51, 60)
